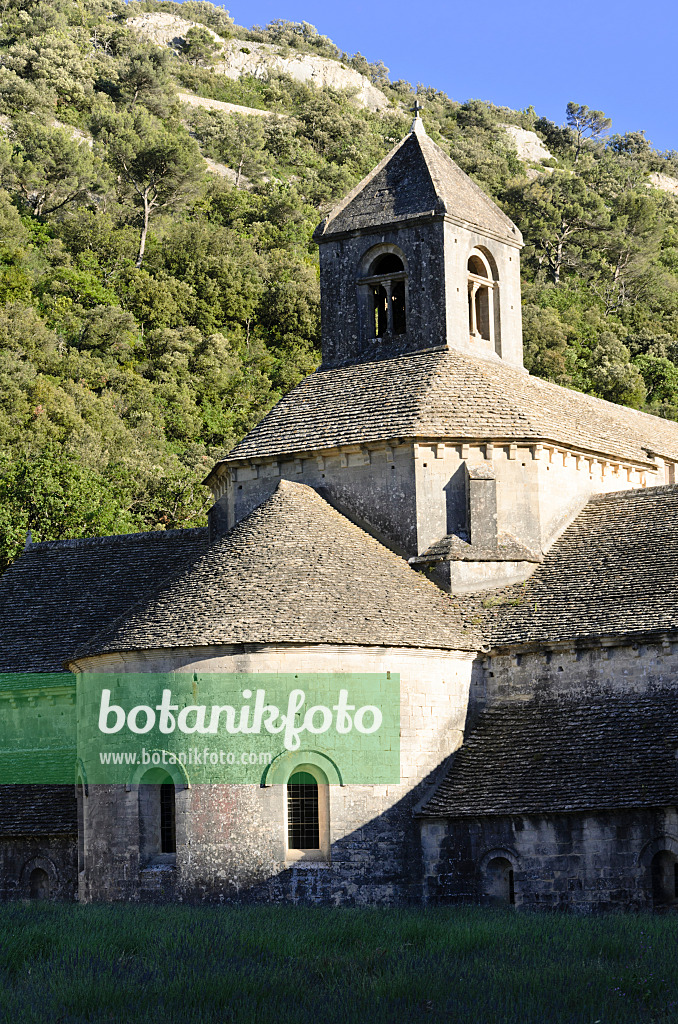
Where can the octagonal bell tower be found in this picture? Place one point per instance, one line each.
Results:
(416, 258)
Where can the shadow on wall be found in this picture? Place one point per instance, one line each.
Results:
(456, 503)
(381, 862)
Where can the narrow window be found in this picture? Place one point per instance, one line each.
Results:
(303, 821)
(157, 818)
(168, 836)
(80, 795)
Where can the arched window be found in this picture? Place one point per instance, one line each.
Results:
(157, 817)
(386, 286)
(664, 871)
(39, 884)
(498, 883)
(303, 822)
(480, 299)
(168, 828)
(307, 814)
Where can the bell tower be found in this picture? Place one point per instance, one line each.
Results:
(418, 258)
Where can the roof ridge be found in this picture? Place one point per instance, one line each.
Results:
(484, 367)
(445, 393)
(438, 153)
(449, 191)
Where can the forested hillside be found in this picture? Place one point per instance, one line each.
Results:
(154, 305)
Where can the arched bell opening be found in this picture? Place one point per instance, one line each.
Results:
(481, 296)
(384, 295)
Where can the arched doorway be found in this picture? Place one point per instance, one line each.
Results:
(498, 882)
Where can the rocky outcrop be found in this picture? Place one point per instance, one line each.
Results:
(528, 145)
(663, 182)
(241, 57)
(260, 59)
(166, 29)
(77, 134)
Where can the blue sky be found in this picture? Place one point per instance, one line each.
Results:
(618, 57)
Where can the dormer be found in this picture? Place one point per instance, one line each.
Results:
(415, 258)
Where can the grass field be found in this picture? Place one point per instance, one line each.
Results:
(88, 964)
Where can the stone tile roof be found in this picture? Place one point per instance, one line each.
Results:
(445, 395)
(59, 593)
(452, 548)
(550, 756)
(614, 571)
(294, 570)
(37, 810)
(417, 178)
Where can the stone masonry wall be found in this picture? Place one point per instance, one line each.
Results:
(585, 862)
(375, 487)
(412, 495)
(21, 855)
(347, 330)
(230, 838)
(572, 670)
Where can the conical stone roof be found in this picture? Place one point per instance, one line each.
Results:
(294, 571)
(417, 179)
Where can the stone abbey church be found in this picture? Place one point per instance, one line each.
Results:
(419, 505)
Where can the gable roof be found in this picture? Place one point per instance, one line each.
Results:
(416, 179)
(293, 571)
(59, 593)
(608, 751)
(614, 571)
(444, 395)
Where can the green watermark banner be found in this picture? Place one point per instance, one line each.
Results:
(202, 728)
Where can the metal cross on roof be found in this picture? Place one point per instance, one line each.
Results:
(416, 108)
